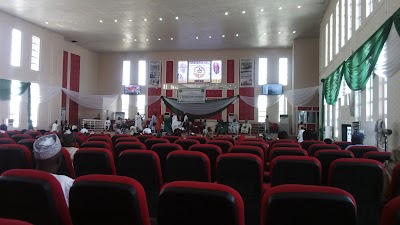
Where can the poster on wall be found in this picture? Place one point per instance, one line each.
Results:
(191, 95)
(155, 73)
(246, 73)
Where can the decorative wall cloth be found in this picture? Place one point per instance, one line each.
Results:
(91, 101)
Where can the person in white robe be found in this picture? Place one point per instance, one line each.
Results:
(138, 122)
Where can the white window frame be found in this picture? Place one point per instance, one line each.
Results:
(35, 96)
(343, 23)
(141, 104)
(262, 108)
(262, 71)
(369, 99)
(126, 72)
(282, 106)
(337, 28)
(326, 44)
(349, 18)
(369, 7)
(337, 116)
(16, 47)
(142, 72)
(35, 54)
(15, 104)
(283, 71)
(331, 37)
(358, 14)
(125, 100)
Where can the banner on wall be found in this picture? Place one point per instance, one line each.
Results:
(191, 95)
(155, 74)
(246, 73)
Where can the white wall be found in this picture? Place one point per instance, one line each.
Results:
(50, 74)
(382, 10)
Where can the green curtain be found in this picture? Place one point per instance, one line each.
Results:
(396, 21)
(331, 85)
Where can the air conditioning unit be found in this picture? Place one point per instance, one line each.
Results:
(9, 122)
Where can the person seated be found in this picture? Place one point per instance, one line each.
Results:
(246, 127)
(234, 127)
(107, 124)
(48, 158)
(147, 130)
(283, 135)
(68, 142)
(357, 138)
(132, 130)
(3, 128)
(389, 167)
(74, 128)
(328, 141)
(300, 134)
(209, 134)
(84, 130)
(308, 135)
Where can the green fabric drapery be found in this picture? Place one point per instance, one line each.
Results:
(7, 90)
(331, 86)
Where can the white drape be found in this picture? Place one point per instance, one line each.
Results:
(152, 99)
(300, 97)
(253, 101)
(47, 93)
(91, 101)
(388, 63)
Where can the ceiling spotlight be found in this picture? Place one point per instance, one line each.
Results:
(123, 39)
(243, 12)
(261, 10)
(237, 35)
(279, 32)
(209, 36)
(280, 8)
(130, 20)
(172, 39)
(299, 6)
(115, 20)
(265, 33)
(47, 22)
(226, 13)
(294, 32)
(101, 21)
(160, 19)
(223, 35)
(135, 40)
(159, 39)
(145, 19)
(177, 18)
(147, 39)
(197, 37)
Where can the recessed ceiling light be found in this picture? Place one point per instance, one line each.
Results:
(299, 6)
(280, 8)
(223, 35)
(123, 39)
(265, 33)
(115, 20)
(145, 19)
(209, 36)
(130, 20)
(226, 13)
(243, 12)
(135, 40)
(261, 10)
(101, 21)
(197, 37)
(147, 39)
(177, 18)
(159, 39)
(47, 22)
(237, 35)
(172, 39)
(294, 32)
(279, 32)
(160, 19)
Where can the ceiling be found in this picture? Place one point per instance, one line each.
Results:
(121, 26)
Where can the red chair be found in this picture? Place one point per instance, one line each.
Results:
(152, 141)
(390, 213)
(100, 135)
(145, 167)
(66, 167)
(316, 147)
(7, 140)
(201, 203)
(97, 144)
(105, 199)
(230, 139)
(116, 136)
(94, 161)
(286, 151)
(248, 149)
(360, 150)
(28, 143)
(395, 184)
(254, 139)
(188, 166)
(342, 144)
(12, 132)
(18, 137)
(308, 204)
(274, 141)
(186, 143)
(223, 144)
(202, 140)
(102, 138)
(262, 145)
(212, 151)
(307, 143)
(286, 144)
(13, 222)
(326, 157)
(126, 139)
(122, 146)
(14, 156)
(171, 138)
(34, 134)
(379, 156)
(162, 150)
(144, 137)
(4, 135)
(80, 140)
(33, 196)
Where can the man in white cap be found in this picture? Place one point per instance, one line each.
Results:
(47, 153)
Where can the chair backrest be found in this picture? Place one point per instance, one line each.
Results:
(186, 143)
(102, 138)
(126, 139)
(144, 137)
(379, 156)
(116, 136)
(363, 178)
(145, 167)
(308, 204)
(274, 141)
(360, 150)
(326, 157)
(286, 144)
(188, 166)
(212, 151)
(307, 143)
(28, 143)
(6, 140)
(105, 199)
(33, 196)
(202, 140)
(57, 133)
(255, 150)
(13, 222)
(243, 172)
(152, 141)
(100, 135)
(122, 146)
(254, 139)
(80, 140)
(200, 203)
(66, 167)
(18, 137)
(230, 139)
(162, 150)
(34, 134)
(264, 146)
(395, 184)
(342, 144)
(316, 147)
(286, 151)
(223, 144)
(4, 135)
(93, 161)
(12, 132)
(97, 144)
(14, 156)
(391, 212)
(295, 170)
(171, 138)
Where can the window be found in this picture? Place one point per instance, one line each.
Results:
(336, 125)
(349, 18)
(357, 105)
(35, 57)
(283, 71)
(35, 96)
(282, 106)
(369, 99)
(337, 28)
(343, 23)
(326, 113)
(345, 90)
(142, 72)
(369, 7)
(326, 45)
(331, 37)
(16, 46)
(262, 107)
(125, 105)
(262, 71)
(126, 73)
(15, 103)
(141, 104)
(385, 101)
(330, 115)
(358, 14)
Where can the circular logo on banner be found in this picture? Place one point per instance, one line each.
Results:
(199, 72)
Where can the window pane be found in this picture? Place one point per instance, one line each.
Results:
(142, 72)
(343, 23)
(358, 14)
(282, 106)
(337, 28)
(35, 96)
(15, 103)
(125, 105)
(35, 57)
(326, 44)
(262, 71)
(283, 71)
(16, 46)
(126, 73)
(369, 7)
(331, 37)
(262, 107)
(141, 104)
(349, 18)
